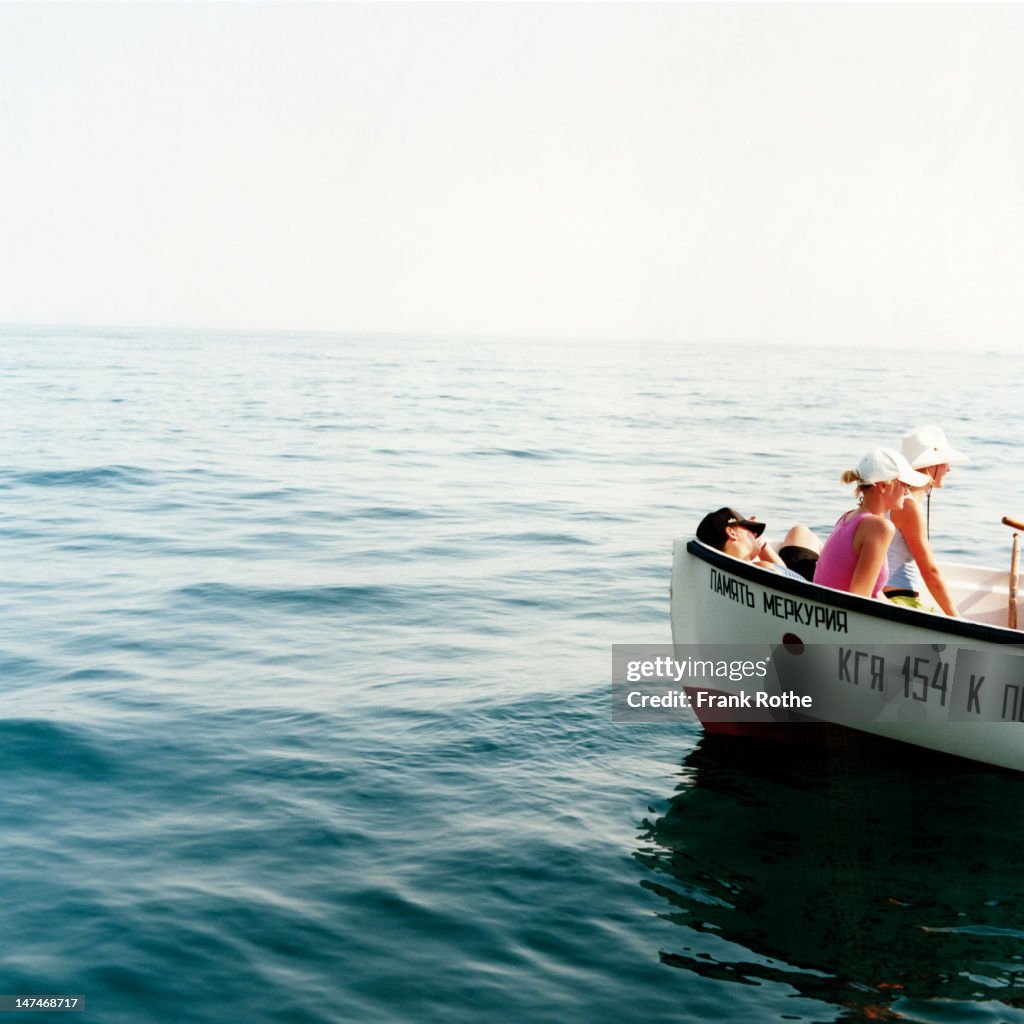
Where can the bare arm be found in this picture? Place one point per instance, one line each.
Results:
(768, 554)
(765, 552)
(910, 521)
(870, 542)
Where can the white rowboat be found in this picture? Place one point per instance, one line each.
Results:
(955, 686)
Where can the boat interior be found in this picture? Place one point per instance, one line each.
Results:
(981, 595)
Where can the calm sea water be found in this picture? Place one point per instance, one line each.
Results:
(307, 711)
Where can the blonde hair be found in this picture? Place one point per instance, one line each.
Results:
(851, 476)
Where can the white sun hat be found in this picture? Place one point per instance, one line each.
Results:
(887, 464)
(927, 446)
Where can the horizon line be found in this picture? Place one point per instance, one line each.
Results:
(449, 336)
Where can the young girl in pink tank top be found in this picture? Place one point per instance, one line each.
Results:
(853, 557)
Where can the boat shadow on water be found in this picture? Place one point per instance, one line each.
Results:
(876, 878)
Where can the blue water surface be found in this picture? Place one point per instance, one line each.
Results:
(306, 675)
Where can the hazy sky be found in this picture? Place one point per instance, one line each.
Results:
(825, 173)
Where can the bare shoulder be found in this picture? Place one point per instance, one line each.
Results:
(876, 528)
(909, 518)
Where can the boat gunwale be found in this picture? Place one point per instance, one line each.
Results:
(854, 602)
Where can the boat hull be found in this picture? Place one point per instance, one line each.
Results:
(955, 686)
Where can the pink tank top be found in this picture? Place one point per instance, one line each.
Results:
(838, 560)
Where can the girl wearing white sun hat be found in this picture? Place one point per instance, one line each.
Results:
(912, 565)
(854, 556)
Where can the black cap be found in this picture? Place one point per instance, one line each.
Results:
(712, 527)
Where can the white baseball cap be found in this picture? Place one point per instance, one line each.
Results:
(886, 464)
(927, 446)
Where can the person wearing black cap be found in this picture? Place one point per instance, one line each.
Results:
(734, 535)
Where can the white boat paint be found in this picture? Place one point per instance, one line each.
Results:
(809, 629)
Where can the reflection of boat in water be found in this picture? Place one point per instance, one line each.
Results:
(951, 685)
(845, 878)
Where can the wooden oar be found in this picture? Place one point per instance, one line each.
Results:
(1015, 524)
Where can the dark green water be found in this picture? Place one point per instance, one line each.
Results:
(306, 657)
(871, 878)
